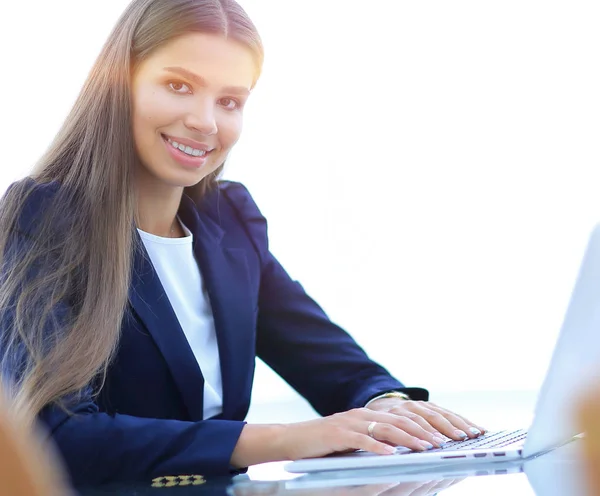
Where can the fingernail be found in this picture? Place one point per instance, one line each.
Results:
(426, 445)
(390, 449)
(439, 440)
(460, 433)
(475, 431)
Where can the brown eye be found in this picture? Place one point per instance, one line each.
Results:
(179, 87)
(229, 103)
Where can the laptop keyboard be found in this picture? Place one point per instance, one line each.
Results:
(492, 440)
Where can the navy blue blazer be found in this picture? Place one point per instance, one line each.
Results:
(147, 420)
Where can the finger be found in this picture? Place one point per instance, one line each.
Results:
(357, 440)
(436, 407)
(404, 412)
(438, 421)
(457, 421)
(414, 428)
(403, 423)
(395, 436)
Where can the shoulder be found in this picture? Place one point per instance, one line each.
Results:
(32, 191)
(230, 198)
(239, 196)
(231, 206)
(29, 200)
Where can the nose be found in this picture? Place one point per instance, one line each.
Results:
(202, 119)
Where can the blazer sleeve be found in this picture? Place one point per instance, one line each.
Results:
(297, 339)
(99, 448)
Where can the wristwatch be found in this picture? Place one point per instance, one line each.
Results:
(389, 394)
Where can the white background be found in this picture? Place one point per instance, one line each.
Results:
(429, 169)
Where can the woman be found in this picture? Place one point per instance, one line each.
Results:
(138, 289)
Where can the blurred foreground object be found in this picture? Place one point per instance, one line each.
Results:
(27, 466)
(589, 420)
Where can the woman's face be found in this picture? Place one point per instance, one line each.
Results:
(188, 99)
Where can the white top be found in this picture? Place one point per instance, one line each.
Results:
(176, 266)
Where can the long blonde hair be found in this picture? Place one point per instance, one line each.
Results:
(64, 289)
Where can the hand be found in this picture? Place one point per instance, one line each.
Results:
(432, 418)
(338, 433)
(348, 431)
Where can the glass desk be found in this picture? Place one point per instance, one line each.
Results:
(554, 474)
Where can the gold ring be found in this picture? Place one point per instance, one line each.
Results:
(370, 429)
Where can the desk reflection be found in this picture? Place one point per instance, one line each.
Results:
(414, 488)
(557, 473)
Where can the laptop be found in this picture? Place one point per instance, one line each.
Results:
(574, 367)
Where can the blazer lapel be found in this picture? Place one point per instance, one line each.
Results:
(225, 273)
(150, 302)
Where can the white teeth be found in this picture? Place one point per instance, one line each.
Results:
(187, 149)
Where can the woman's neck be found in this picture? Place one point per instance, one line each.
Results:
(157, 206)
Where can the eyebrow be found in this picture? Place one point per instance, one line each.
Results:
(200, 81)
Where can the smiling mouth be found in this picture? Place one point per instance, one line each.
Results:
(188, 150)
